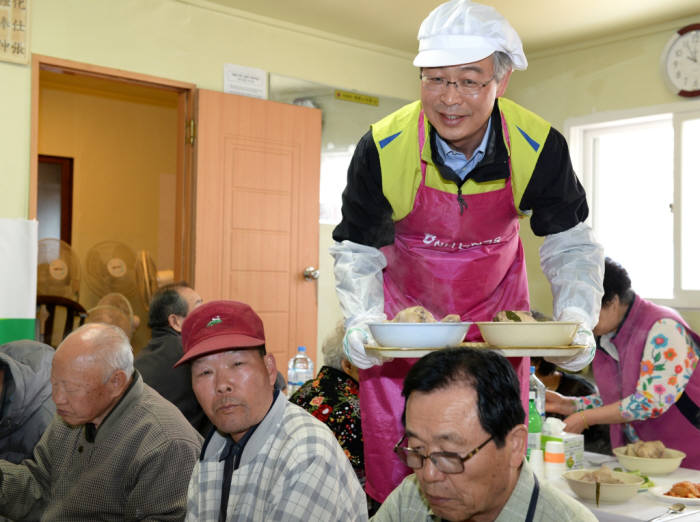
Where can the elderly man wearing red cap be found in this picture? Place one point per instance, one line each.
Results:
(267, 459)
(431, 210)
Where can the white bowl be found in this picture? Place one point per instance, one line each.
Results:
(669, 463)
(609, 493)
(531, 335)
(419, 335)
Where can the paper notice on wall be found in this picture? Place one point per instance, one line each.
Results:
(18, 265)
(246, 81)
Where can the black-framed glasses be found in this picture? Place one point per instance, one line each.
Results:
(445, 461)
(463, 86)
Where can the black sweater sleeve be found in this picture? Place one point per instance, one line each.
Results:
(554, 193)
(366, 212)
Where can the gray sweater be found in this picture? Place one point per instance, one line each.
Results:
(26, 408)
(136, 468)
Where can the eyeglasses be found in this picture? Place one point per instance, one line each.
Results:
(463, 86)
(445, 461)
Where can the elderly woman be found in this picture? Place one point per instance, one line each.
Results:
(333, 398)
(645, 368)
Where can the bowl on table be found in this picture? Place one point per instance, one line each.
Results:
(419, 335)
(609, 493)
(527, 334)
(669, 463)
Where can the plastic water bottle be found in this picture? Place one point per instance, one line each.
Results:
(299, 370)
(540, 390)
(534, 427)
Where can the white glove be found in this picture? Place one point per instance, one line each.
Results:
(354, 348)
(359, 285)
(582, 337)
(357, 335)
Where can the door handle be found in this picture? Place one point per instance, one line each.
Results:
(310, 273)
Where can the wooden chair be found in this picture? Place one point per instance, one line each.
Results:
(57, 317)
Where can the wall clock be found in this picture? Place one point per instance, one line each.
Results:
(680, 61)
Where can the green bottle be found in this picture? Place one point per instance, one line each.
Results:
(534, 426)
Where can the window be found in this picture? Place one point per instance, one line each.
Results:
(641, 171)
(334, 168)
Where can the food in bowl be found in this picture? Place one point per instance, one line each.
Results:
(604, 475)
(414, 314)
(624, 489)
(653, 449)
(419, 335)
(685, 489)
(536, 334)
(667, 463)
(516, 316)
(418, 314)
(416, 327)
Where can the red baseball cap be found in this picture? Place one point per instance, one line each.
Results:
(218, 326)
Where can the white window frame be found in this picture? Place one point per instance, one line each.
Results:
(581, 155)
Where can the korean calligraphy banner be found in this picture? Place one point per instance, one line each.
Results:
(14, 31)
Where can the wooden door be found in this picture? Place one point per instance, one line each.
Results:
(256, 227)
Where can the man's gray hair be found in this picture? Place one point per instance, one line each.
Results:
(332, 349)
(502, 63)
(111, 348)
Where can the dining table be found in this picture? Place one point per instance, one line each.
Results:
(645, 505)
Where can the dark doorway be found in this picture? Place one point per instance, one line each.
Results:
(55, 197)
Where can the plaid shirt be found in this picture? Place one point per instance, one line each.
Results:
(291, 469)
(135, 466)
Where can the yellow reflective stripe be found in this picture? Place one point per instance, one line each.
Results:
(527, 132)
(398, 158)
(396, 136)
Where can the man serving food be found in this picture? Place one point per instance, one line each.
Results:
(431, 209)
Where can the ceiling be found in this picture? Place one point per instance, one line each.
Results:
(542, 24)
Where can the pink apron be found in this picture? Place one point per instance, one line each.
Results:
(679, 426)
(471, 264)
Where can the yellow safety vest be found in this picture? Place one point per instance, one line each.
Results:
(396, 139)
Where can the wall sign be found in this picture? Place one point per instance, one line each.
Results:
(14, 31)
(356, 97)
(247, 81)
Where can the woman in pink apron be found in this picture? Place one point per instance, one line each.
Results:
(646, 372)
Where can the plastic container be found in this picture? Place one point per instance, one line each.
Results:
(534, 427)
(536, 460)
(554, 464)
(299, 370)
(540, 390)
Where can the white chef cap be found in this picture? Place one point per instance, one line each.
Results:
(462, 31)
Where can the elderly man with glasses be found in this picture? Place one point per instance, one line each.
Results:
(465, 441)
(431, 214)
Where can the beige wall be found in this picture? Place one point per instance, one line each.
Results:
(181, 41)
(124, 151)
